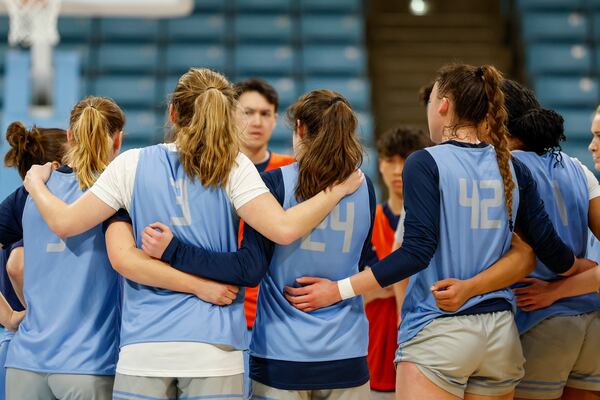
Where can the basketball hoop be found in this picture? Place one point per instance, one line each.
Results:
(33, 23)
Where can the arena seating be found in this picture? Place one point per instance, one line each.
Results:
(561, 40)
(295, 45)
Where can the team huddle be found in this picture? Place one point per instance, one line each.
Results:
(476, 279)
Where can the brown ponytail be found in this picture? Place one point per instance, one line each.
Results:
(330, 150)
(93, 123)
(478, 99)
(497, 119)
(35, 146)
(206, 130)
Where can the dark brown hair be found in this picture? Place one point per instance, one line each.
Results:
(478, 99)
(425, 93)
(94, 122)
(35, 146)
(401, 141)
(330, 150)
(259, 86)
(206, 130)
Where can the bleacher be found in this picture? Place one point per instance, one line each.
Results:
(561, 40)
(296, 45)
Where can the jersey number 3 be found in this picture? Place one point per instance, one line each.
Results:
(56, 247)
(182, 200)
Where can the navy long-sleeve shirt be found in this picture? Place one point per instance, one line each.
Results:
(11, 216)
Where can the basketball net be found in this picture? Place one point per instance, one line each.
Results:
(33, 23)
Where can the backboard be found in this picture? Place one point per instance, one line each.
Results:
(123, 8)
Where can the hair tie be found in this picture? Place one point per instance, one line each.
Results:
(479, 72)
(335, 100)
(211, 87)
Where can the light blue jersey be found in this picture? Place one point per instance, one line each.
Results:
(200, 217)
(563, 188)
(72, 295)
(332, 251)
(5, 338)
(593, 248)
(474, 231)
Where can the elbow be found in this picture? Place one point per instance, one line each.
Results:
(61, 233)
(255, 275)
(15, 268)
(285, 236)
(117, 261)
(254, 279)
(61, 230)
(529, 263)
(252, 282)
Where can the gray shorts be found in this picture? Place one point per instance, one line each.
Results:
(377, 395)
(264, 392)
(561, 351)
(478, 354)
(21, 384)
(129, 387)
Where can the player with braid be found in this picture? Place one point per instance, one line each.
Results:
(462, 200)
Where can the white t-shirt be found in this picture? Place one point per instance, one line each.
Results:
(399, 235)
(592, 181)
(115, 185)
(176, 359)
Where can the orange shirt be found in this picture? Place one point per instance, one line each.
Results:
(382, 315)
(275, 161)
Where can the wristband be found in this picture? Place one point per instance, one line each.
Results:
(345, 288)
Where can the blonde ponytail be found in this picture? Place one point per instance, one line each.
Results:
(206, 130)
(94, 121)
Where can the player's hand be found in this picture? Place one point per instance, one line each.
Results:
(317, 293)
(37, 174)
(215, 293)
(350, 185)
(155, 239)
(450, 294)
(536, 295)
(15, 320)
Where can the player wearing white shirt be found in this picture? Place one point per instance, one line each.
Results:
(193, 184)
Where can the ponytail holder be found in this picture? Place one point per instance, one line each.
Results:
(335, 100)
(210, 87)
(479, 72)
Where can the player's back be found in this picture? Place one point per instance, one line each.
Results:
(474, 229)
(72, 293)
(198, 215)
(332, 250)
(562, 185)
